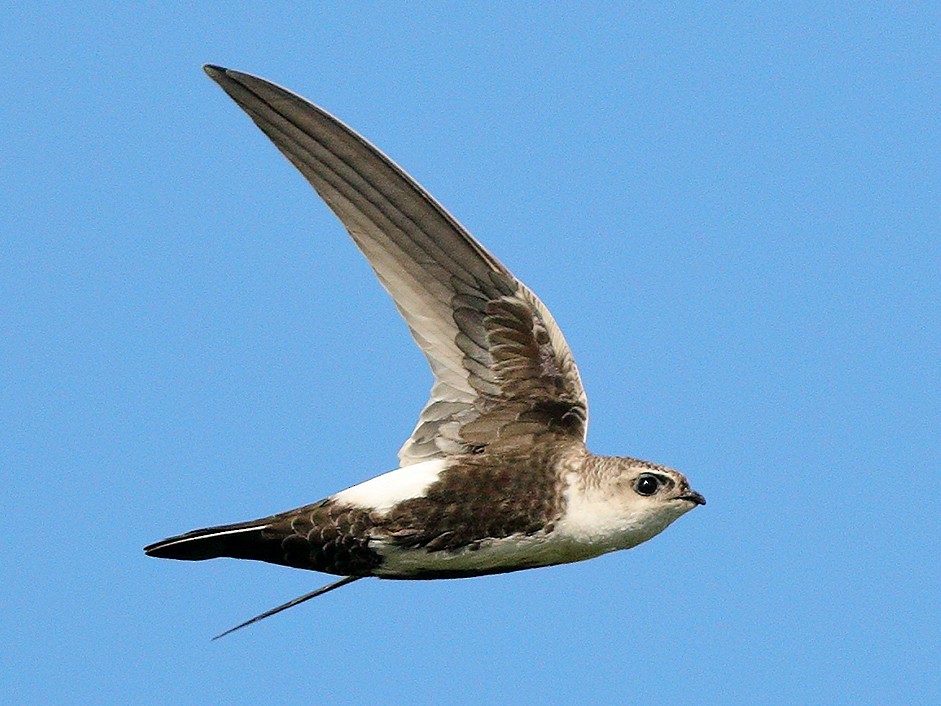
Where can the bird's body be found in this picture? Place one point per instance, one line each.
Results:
(470, 516)
(495, 476)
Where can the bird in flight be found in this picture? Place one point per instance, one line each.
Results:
(496, 476)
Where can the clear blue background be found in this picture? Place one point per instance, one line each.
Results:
(732, 211)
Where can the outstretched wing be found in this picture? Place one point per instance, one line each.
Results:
(502, 369)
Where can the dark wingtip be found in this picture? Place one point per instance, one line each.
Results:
(191, 546)
(243, 540)
(214, 71)
(157, 549)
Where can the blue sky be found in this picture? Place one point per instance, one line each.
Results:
(733, 213)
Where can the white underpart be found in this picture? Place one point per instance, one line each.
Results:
(515, 552)
(382, 493)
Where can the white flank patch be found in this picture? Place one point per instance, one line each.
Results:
(382, 493)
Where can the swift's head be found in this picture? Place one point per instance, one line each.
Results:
(660, 484)
(652, 496)
(621, 502)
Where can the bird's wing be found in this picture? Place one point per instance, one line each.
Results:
(502, 368)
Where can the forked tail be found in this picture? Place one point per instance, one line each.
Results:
(247, 540)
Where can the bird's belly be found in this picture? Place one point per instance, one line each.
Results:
(492, 556)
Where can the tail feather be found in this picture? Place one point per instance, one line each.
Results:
(245, 540)
(257, 539)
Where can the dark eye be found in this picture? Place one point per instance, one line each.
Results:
(647, 484)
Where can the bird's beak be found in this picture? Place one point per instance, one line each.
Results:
(693, 497)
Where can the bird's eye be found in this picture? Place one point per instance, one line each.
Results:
(647, 484)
